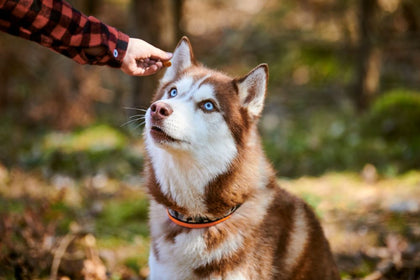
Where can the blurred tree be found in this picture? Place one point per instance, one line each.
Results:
(157, 22)
(178, 8)
(88, 7)
(387, 47)
(369, 56)
(91, 6)
(409, 9)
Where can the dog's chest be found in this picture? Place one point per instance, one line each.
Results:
(181, 254)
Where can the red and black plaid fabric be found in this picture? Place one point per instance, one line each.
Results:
(58, 26)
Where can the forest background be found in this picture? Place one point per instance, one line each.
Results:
(341, 126)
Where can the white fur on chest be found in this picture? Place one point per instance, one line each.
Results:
(172, 272)
(188, 251)
(179, 257)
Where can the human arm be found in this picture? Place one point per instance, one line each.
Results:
(57, 25)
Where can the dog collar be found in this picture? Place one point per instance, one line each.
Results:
(199, 221)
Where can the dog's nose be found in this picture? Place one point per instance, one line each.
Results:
(160, 110)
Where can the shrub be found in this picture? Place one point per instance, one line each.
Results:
(395, 116)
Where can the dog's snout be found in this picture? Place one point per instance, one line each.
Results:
(160, 110)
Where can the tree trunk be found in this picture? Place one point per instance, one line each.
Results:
(155, 23)
(178, 18)
(369, 57)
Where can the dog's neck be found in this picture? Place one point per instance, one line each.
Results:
(184, 175)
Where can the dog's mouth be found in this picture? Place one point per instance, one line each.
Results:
(159, 135)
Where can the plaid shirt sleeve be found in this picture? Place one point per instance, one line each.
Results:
(57, 25)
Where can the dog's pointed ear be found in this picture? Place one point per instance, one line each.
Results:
(252, 88)
(182, 58)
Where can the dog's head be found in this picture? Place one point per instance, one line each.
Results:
(200, 122)
(197, 110)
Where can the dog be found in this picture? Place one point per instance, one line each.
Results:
(216, 211)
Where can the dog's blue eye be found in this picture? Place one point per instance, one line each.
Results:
(173, 92)
(208, 106)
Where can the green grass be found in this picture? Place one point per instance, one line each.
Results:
(86, 151)
(95, 138)
(126, 218)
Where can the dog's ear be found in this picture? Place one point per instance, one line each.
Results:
(182, 58)
(252, 88)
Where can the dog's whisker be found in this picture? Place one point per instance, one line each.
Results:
(138, 109)
(137, 119)
(131, 121)
(139, 115)
(139, 125)
(134, 119)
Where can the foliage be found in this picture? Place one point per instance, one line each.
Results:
(70, 227)
(395, 119)
(94, 149)
(49, 105)
(125, 219)
(312, 146)
(21, 236)
(338, 139)
(395, 116)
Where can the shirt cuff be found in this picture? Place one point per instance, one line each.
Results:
(114, 42)
(117, 50)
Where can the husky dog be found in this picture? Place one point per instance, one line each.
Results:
(216, 211)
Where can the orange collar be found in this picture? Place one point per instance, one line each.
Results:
(197, 222)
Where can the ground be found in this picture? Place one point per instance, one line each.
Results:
(96, 227)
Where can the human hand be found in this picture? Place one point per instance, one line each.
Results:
(143, 59)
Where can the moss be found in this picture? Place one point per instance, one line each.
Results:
(126, 218)
(396, 116)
